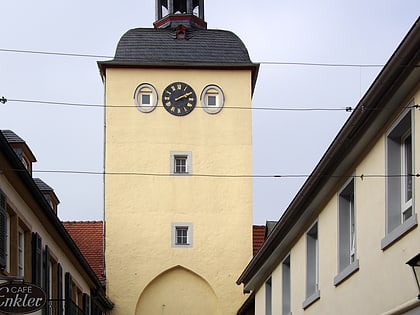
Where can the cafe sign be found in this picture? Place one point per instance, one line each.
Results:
(21, 298)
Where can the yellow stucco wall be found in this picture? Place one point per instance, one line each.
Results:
(139, 209)
(383, 283)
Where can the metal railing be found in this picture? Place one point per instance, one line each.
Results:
(62, 307)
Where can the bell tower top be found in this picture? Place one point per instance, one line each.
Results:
(173, 13)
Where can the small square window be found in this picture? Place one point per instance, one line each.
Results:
(211, 100)
(146, 99)
(182, 234)
(180, 163)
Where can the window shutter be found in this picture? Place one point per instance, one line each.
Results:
(86, 303)
(60, 289)
(67, 293)
(36, 259)
(3, 230)
(46, 276)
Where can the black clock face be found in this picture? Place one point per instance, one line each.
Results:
(179, 98)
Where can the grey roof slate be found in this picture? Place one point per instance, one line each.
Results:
(149, 46)
(11, 137)
(42, 185)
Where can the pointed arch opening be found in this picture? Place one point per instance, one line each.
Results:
(178, 291)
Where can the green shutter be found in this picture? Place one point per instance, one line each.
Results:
(46, 276)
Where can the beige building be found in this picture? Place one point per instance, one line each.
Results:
(342, 245)
(34, 245)
(178, 155)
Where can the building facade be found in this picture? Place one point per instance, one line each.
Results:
(34, 245)
(178, 201)
(342, 245)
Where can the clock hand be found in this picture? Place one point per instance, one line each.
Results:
(183, 96)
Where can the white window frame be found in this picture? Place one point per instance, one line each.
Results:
(400, 215)
(145, 89)
(286, 287)
(182, 225)
(312, 266)
(268, 296)
(184, 155)
(207, 94)
(21, 252)
(346, 241)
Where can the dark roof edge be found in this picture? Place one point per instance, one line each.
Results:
(396, 70)
(50, 215)
(254, 67)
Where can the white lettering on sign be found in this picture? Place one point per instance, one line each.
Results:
(21, 298)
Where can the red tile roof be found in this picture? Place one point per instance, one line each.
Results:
(258, 236)
(88, 236)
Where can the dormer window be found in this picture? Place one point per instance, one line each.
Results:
(181, 32)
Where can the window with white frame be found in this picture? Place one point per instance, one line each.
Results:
(312, 259)
(182, 234)
(347, 260)
(21, 252)
(268, 297)
(145, 97)
(286, 287)
(181, 162)
(400, 217)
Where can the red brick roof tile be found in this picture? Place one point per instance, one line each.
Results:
(258, 237)
(88, 236)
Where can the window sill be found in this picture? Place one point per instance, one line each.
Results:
(312, 299)
(347, 272)
(399, 232)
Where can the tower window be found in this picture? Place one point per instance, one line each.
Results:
(145, 98)
(180, 163)
(182, 234)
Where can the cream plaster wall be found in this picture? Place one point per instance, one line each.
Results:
(139, 209)
(383, 282)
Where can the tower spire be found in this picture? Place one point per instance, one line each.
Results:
(173, 13)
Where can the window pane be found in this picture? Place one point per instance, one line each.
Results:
(145, 99)
(211, 100)
(180, 164)
(181, 235)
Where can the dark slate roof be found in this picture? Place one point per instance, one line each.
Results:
(11, 137)
(42, 185)
(202, 48)
(160, 46)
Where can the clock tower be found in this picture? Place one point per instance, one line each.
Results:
(178, 160)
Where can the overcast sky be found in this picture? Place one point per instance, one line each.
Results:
(65, 137)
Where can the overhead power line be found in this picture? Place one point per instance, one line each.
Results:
(286, 63)
(72, 104)
(78, 172)
(347, 109)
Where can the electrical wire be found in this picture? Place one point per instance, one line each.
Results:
(101, 173)
(347, 109)
(72, 104)
(312, 64)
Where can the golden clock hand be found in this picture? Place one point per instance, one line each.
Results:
(183, 96)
